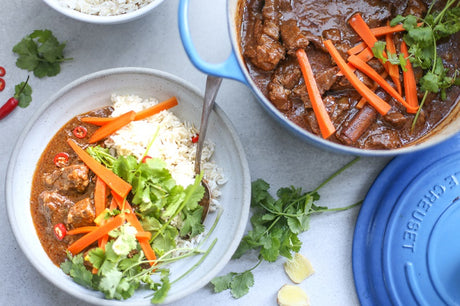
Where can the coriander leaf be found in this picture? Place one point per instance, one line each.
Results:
(192, 225)
(398, 19)
(109, 283)
(41, 53)
(160, 295)
(241, 283)
(429, 82)
(222, 283)
(96, 257)
(378, 49)
(23, 92)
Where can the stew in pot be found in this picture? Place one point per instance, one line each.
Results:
(272, 32)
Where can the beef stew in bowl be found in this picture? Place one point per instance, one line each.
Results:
(272, 31)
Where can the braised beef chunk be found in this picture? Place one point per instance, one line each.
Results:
(283, 81)
(388, 139)
(73, 177)
(81, 214)
(292, 37)
(416, 7)
(358, 125)
(53, 207)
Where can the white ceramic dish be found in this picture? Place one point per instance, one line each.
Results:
(93, 91)
(103, 19)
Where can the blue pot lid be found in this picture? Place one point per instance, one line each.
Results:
(406, 245)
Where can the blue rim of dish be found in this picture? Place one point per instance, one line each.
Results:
(405, 245)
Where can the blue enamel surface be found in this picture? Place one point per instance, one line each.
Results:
(406, 249)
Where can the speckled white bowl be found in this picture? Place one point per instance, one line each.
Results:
(94, 91)
(103, 19)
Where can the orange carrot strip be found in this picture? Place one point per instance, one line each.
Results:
(155, 109)
(324, 121)
(91, 237)
(380, 105)
(393, 70)
(365, 68)
(363, 100)
(357, 48)
(362, 29)
(114, 182)
(99, 121)
(100, 190)
(166, 104)
(145, 235)
(112, 127)
(384, 30)
(81, 230)
(410, 85)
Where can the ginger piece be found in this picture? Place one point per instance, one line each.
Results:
(291, 295)
(298, 268)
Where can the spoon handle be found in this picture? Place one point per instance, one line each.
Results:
(212, 87)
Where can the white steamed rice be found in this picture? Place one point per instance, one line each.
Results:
(104, 7)
(173, 143)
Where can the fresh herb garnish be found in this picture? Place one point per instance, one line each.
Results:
(276, 225)
(23, 92)
(422, 42)
(41, 53)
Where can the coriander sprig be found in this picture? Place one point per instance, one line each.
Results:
(276, 224)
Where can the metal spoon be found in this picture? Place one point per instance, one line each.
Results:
(212, 86)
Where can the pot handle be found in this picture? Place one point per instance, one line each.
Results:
(227, 69)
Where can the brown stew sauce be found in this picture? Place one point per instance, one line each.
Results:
(272, 30)
(63, 195)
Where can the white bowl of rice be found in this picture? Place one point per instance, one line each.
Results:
(224, 165)
(104, 11)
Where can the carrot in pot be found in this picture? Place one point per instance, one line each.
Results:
(91, 237)
(357, 48)
(363, 100)
(393, 70)
(324, 121)
(384, 30)
(366, 69)
(410, 85)
(378, 103)
(111, 127)
(362, 29)
(145, 235)
(81, 230)
(114, 182)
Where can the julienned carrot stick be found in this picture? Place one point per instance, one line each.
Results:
(324, 121)
(100, 190)
(357, 48)
(132, 219)
(112, 127)
(363, 100)
(114, 182)
(155, 109)
(410, 85)
(380, 105)
(366, 55)
(99, 121)
(145, 235)
(362, 29)
(81, 230)
(370, 72)
(384, 30)
(166, 104)
(393, 70)
(91, 237)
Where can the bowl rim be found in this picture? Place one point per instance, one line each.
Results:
(113, 19)
(246, 196)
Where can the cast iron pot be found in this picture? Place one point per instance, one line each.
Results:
(234, 68)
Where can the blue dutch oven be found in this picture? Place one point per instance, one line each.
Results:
(234, 68)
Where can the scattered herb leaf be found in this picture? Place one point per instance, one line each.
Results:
(276, 224)
(41, 53)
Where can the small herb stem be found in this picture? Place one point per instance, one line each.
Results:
(348, 165)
